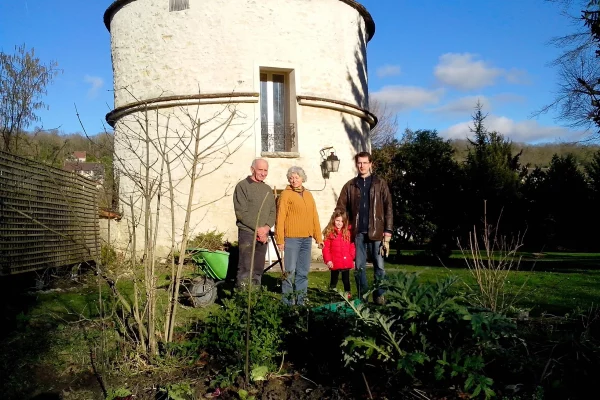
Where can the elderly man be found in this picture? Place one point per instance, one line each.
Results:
(368, 202)
(253, 199)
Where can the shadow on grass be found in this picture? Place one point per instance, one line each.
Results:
(24, 339)
(317, 295)
(47, 396)
(553, 262)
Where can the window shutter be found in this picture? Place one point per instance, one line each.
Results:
(178, 5)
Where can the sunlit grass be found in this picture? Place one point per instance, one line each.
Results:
(539, 291)
(552, 292)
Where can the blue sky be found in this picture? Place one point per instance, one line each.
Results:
(430, 61)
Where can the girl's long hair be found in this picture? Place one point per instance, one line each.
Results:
(330, 228)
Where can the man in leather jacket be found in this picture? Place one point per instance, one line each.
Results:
(368, 202)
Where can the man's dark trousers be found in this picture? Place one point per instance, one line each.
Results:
(246, 240)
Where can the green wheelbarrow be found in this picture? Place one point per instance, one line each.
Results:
(211, 270)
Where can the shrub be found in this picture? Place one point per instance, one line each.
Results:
(177, 391)
(108, 255)
(211, 240)
(426, 333)
(223, 334)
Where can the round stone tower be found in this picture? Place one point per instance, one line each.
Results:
(276, 79)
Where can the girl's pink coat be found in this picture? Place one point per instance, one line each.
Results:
(338, 250)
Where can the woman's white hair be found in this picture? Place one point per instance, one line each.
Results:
(298, 171)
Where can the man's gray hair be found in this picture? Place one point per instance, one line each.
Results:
(298, 171)
(257, 160)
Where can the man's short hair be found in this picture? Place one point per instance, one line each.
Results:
(363, 154)
(257, 160)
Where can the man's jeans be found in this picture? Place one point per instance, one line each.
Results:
(246, 240)
(297, 265)
(364, 245)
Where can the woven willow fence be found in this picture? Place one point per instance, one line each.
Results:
(48, 217)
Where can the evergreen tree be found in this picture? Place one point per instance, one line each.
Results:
(593, 173)
(566, 196)
(493, 175)
(430, 189)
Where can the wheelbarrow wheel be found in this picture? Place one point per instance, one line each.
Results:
(203, 292)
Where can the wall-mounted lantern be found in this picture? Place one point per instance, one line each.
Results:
(330, 163)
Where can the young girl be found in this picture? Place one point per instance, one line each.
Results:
(338, 250)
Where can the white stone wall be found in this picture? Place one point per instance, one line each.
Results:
(219, 46)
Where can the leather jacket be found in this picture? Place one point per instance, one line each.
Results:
(381, 217)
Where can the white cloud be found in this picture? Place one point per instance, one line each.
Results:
(517, 77)
(388, 70)
(466, 105)
(517, 131)
(465, 71)
(402, 98)
(463, 105)
(96, 84)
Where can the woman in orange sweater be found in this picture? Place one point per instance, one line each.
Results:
(296, 226)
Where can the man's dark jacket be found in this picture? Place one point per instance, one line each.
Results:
(380, 210)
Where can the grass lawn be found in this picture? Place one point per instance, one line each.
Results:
(556, 284)
(547, 291)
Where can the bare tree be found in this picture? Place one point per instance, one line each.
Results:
(23, 81)
(577, 96)
(163, 155)
(387, 124)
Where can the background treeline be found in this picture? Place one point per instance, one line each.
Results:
(440, 195)
(537, 155)
(52, 148)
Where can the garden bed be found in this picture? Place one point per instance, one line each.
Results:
(54, 347)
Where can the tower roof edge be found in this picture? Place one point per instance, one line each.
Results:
(369, 22)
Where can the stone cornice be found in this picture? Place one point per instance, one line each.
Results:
(369, 22)
(339, 105)
(179, 101)
(222, 98)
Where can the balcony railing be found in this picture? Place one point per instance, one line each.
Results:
(278, 137)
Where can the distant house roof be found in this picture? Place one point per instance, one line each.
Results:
(79, 154)
(74, 166)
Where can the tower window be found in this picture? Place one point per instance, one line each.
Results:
(278, 133)
(178, 5)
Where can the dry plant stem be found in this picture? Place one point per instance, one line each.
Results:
(249, 286)
(282, 362)
(154, 229)
(186, 228)
(171, 290)
(97, 374)
(136, 293)
(172, 298)
(421, 394)
(491, 271)
(367, 385)
(99, 266)
(148, 245)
